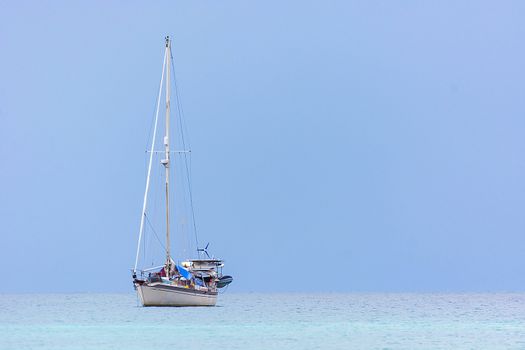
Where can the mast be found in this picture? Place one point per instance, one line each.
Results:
(166, 161)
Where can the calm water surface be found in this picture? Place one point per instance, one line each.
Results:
(266, 321)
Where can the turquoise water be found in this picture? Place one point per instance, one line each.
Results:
(266, 321)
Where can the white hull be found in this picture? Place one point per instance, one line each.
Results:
(159, 294)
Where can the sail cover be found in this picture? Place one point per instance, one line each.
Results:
(184, 273)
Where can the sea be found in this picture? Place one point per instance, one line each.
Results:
(265, 321)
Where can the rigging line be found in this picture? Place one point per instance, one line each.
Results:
(144, 247)
(154, 232)
(149, 166)
(180, 113)
(185, 220)
(152, 123)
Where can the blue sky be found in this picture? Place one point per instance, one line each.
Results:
(337, 145)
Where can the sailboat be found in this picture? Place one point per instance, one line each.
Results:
(191, 282)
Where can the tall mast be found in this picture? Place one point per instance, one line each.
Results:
(166, 161)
